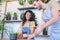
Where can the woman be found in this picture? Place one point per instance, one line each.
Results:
(28, 23)
(51, 17)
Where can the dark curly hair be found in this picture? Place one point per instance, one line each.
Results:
(32, 18)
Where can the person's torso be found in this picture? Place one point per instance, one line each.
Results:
(48, 16)
(28, 24)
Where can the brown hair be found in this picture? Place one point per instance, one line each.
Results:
(59, 10)
(45, 1)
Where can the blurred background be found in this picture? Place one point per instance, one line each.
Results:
(10, 8)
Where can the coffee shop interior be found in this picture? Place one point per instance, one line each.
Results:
(11, 17)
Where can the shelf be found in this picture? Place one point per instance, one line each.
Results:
(26, 8)
(13, 21)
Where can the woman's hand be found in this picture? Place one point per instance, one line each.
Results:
(19, 36)
(31, 36)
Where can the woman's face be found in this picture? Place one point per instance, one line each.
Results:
(28, 15)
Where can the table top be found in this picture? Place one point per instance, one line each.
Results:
(37, 37)
(17, 39)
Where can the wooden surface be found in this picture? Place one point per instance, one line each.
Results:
(41, 36)
(18, 39)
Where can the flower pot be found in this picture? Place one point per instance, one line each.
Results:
(21, 16)
(30, 1)
(14, 18)
(22, 2)
(13, 36)
(8, 18)
(45, 32)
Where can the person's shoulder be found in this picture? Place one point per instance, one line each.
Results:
(32, 21)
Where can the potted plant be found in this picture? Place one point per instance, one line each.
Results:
(8, 16)
(21, 16)
(45, 1)
(45, 32)
(30, 1)
(22, 2)
(0, 2)
(12, 34)
(15, 16)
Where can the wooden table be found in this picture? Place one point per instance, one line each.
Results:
(42, 36)
(18, 39)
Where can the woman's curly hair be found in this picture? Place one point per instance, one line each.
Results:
(32, 18)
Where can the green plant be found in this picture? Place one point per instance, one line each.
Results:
(15, 14)
(8, 16)
(22, 2)
(47, 1)
(2, 22)
(0, 1)
(1, 27)
(30, 1)
(13, 36)
(12, 31)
